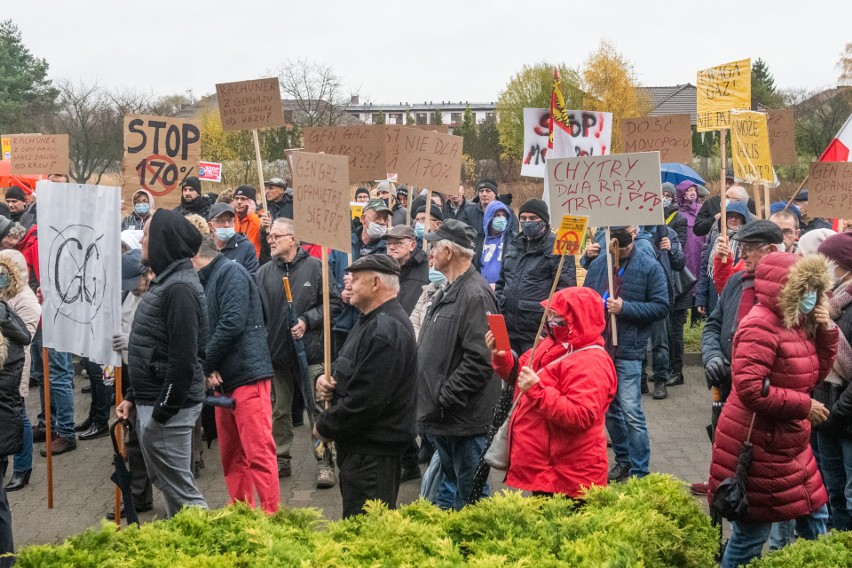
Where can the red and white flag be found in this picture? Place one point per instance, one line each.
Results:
(838, 149)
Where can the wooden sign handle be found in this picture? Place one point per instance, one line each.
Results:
(48, 430)
(611, 285)
(326, 318)
(120, 440)
(262, 188)
(546, 308)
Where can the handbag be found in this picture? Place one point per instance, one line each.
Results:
(497, 454)
(683, 281)
(730, 499)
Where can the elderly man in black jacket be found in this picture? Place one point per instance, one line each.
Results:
(413, 263)
(456, 391)
(371, 387)
(166, 347)
(238, 366)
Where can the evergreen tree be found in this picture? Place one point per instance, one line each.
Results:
(763, 92)
(26, 94)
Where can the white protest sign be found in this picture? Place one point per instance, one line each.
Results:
(591, 134)
(79, 247)
(620, 189)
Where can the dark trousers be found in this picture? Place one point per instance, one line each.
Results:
(364, 477)
(6, 542)
(677, 319)
(103, 396)
(140, 483)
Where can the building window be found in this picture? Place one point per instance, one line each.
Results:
(420, 118)
(456, 118)
(397, 118)
(377, 118)
(489, 116)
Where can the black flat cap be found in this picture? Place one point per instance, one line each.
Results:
(454, 230)
(760, 232)
(376, 263)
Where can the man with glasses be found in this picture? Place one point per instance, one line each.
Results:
(788, 222)
(246, 221)
(306, 285)
(232, 245)
(413, 262)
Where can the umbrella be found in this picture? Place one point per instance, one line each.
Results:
(730, 500)
(675, 173)
(121, 477)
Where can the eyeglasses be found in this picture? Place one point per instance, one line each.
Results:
(394, 244)
(746, 248)
(273, 238)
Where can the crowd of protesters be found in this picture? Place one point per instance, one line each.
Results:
(223, 331)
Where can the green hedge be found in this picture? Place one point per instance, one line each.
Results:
(648, 522)
(834, 549)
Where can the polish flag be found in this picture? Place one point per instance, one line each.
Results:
(838, 149)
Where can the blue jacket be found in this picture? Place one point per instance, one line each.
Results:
(645, 296)
(241, 250)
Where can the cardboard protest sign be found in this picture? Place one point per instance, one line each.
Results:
(247, 105)
(39, 154)
(621, 189)
(363, 145)
(159, 154)
(750, 147)
(571, 235)
(392, 144)
(830, 190)
(782, 136)
(210, 171)
(430, 159)
(670, 135)
(722, 89)
(321, 200)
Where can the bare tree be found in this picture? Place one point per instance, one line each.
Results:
(317, 93)
(845, 66)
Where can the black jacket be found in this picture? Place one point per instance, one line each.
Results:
(816, 223)
(678, 222)
(241, 250)
(169, 333)
(372, 410)
(414, 274)
(838, 398)
(237, 343)
(449, 213)
(526, 276)
(14, 338)
(717, 339)
(281, 209)
(707, 214)
(305, 274)
(457, 391)
(200, 206)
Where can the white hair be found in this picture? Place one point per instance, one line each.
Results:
(739, 192)
(389, 281)
(463, 252)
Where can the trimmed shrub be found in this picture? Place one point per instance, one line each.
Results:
(834, 549)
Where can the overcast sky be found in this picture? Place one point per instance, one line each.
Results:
(434, 50)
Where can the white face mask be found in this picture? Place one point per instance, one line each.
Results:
(376, 231)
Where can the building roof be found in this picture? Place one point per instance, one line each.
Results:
(447, 106)
(677, 99)
(291, 108)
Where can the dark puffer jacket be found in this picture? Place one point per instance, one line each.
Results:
(413, 275)
(775, 342)
(241, 250)
(14, 338)
(526, 276)
(237, 344)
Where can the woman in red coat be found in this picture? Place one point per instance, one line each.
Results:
(556, 436)
(789, 339)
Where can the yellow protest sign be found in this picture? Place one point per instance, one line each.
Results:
(750, 151)
(571, 235)
(720, 90)
(6, 145)
(356, 208)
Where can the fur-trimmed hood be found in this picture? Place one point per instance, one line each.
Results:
(781, 281)
(15, 281)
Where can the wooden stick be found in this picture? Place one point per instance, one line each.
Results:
(795, 193)
(766, 200)
(611, 285)
(426, 223)
(546, 308)
(758, 200)
(262, 188)
(120, 440)
(408, 205)
(326, 318)
(48, 433)
(723, 157)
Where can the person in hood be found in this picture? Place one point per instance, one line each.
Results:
(191, 199)
(490, 244)
(688, 206)
(562, 397)
(671, 212)
(143, 206)
(165, 353)
(782, 349)
(474, 214)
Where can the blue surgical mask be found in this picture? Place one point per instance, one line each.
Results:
(419, 230)
(225, 234)
(499, 224)
(533, 229)
(436, 277)
(142, 208)
(727, 202)
(4, 281)
(808, 302)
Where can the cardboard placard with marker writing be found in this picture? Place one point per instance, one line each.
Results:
(619, 189)
(39, 154)
(720, 90)
(392, 143)
(363, 145)
(782, 136)
(247, 105)
(830, 190)
(571, 235)
(159, 153)
(321, 200)
(671, 136)
(430, 159)
(750, 147)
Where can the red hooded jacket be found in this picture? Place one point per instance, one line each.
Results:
(29, 248)
(771, 341)
(556, 436)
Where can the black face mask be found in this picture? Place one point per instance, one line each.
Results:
(624, 239)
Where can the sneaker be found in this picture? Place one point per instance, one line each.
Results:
(618, 472)
(285, 469)
(84, 425)
(675, 379)
(699, 488)
(325, 477)
(61, 445)
(660, 391)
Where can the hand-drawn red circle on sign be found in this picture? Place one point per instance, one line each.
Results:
(169, 162)
(569, 242)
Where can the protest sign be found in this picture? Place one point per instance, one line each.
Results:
(830, 190)
(782, 136)
(80, 263)
(670, 135)
(5, 148)
(39, 154)
(590, 132)
(247, 105)
(159, 154)
(392, 144)
(210, 171)
(571, 235)
(536, 129)
(356, 209)
(621, 189)
(721, 89)
(363, 145)
(321, 200)
(750, 147)
(430, 159)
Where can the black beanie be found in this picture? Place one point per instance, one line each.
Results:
(536, 207)
(361, 190)
(16, 192)
(487, 184)
(192, 182)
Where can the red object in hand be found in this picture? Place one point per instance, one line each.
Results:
(498, 329)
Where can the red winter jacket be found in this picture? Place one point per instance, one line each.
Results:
(29, 248)
(556, 436)
(775, 341)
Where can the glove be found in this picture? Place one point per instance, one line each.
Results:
(715, 372)
(120, 341)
